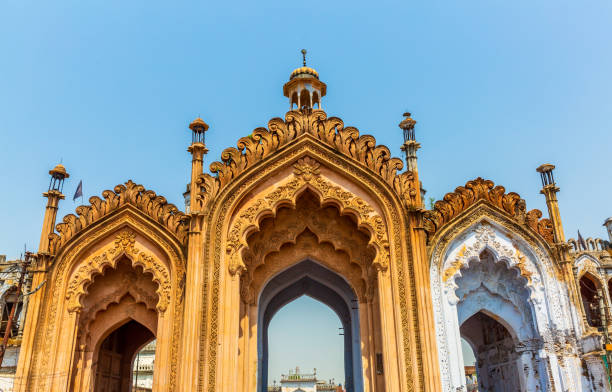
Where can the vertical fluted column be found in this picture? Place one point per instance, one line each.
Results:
(418, 241)
(190, 347)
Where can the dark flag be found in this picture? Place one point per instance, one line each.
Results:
(581, 242)
(79, 191)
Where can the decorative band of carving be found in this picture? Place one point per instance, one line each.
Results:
(511, 203)
(131, 193)
(306, 174)
(123, 245)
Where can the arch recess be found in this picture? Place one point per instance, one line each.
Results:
(224, 199)
(588, 264)
(76, 264)
(484, 227)
(123, 245)
(306, 175)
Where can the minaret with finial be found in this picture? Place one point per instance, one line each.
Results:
(198, 150)
(304, 89)
(410, 145)
(194, 278)
(549, 190)
(54, 195)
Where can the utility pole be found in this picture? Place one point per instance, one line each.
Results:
(22, 273)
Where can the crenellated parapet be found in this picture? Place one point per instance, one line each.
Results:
(130, 193)
(454, 203)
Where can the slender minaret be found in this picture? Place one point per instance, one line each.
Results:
(418, 239)
(410, 146)
(41, 263)
(198, 150)
(549, 190)
(53, 195)
(304, 89)
(195, 250)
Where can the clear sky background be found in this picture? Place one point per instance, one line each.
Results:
(497, 88)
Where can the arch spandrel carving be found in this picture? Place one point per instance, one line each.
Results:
(306, 175)
(123, 245)
(147, 201)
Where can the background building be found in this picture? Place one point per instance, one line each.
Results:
(296, 381)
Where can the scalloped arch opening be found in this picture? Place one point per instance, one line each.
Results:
(114, 283)
(313, 230)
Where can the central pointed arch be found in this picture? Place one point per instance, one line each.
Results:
(254, 193)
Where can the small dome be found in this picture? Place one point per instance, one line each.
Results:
(198, 122)
(58, 171)
(407, 122)
(304, 72)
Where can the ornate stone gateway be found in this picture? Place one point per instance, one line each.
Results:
(304, 206)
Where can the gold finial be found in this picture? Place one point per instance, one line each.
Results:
(304, 56)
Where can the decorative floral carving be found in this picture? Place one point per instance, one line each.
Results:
(511, 203)
(407, 189)
(307, 168)
(123, 245)
(262, 142)
(131, 193)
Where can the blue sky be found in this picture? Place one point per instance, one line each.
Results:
(497, 88)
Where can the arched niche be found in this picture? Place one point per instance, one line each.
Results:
(126, 235)
(590, 293)
(312, 279)
(534, 309)
(253, 195)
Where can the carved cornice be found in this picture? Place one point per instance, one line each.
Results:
(146, 201)
(264, 141)
(462, 198)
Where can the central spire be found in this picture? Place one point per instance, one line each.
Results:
(304, 89)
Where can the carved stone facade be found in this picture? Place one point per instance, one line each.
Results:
(308, 205)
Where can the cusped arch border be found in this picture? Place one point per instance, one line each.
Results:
(513, 259)
(137, 220)
(218, 202)
(586, 263)
(471, 217)
(123, 245)
(307, 176)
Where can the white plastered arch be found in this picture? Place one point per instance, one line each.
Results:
(547, 300)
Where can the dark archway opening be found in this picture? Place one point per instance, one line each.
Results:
(590, 300)
(288, 286)
(494, 349)
(116, 356)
